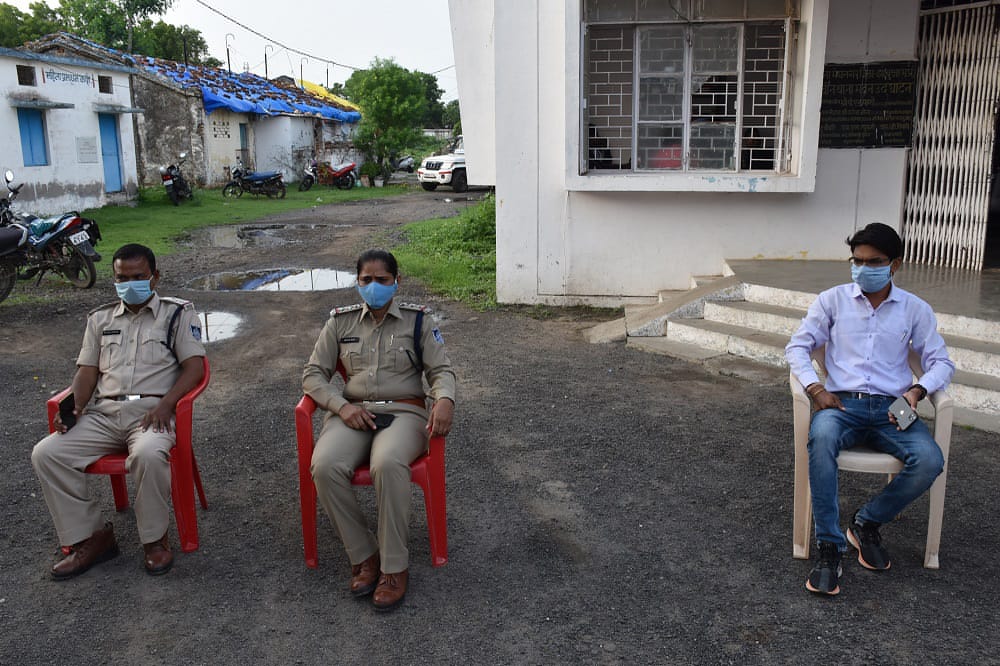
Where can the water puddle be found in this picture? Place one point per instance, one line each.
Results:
(284, 279)
(268, 235)
(219, 325)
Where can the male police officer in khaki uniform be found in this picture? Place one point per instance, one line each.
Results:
(375, 343)
(136, 370)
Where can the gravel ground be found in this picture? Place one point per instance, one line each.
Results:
(606, 506)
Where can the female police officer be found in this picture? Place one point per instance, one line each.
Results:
(385, 353)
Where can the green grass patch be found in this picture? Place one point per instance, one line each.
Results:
(455, 256)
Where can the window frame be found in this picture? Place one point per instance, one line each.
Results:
(105, 82)
(798, 143)
(25, 72)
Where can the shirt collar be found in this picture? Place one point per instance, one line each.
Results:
(153, 304)
(393, 310)
(895, 294)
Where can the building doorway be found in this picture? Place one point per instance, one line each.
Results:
(991, 256)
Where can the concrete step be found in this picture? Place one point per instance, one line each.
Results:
(764, 316)
(756, 345)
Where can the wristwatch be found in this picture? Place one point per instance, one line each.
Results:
(923, 391)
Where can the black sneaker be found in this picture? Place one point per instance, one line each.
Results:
(865, 537)
(825, 576)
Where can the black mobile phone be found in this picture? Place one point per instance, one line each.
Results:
(66, 407)
(905, 416)
(383, 420)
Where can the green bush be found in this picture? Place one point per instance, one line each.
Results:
(455, 256)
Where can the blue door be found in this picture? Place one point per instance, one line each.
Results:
(110, 152)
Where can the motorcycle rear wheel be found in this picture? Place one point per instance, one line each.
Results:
(277, 191)
(79, 270)
(346, 182)
(232, 190)
(305, 184)
(8, 276)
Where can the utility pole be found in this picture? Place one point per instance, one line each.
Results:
(266, 47)
(229, 64)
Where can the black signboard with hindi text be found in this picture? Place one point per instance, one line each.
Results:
(868, 105)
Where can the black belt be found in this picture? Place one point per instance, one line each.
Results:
(858, 395)
(129, 396)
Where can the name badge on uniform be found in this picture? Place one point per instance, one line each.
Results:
(111, 331)
(349, 340)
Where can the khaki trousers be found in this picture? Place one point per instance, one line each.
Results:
(388, 452)
(107, 427)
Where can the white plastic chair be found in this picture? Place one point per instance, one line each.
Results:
(865, 459)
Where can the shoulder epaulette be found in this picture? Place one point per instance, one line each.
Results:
(414, 306)
(177, 301)
(104, 307)
(346, 308)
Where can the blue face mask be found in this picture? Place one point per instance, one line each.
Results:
(135, 292)
(376, 295)
(871, 279)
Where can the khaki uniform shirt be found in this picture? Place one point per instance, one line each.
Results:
(380, 359)
(130, 349)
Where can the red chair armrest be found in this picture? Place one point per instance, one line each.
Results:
(52, 406)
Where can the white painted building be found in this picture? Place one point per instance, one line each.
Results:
(67, 131)
(634, 145)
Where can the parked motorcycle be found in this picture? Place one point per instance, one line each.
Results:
(175, 183)
(404, 163)
(31, 246)
(254, 182)
(341, 176)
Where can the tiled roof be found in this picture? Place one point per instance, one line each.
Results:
(220, 89)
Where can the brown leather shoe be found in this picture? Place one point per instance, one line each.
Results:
(98, 547)
(364, 576)
(391, 590)
(158, 558)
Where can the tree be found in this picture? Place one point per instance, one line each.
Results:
(171, 42)
(393, 103)
(435, 110)
(452, 117)
(107, 22)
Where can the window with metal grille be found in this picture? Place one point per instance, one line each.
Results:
(104, 84)
(687, 85)
(26, 75)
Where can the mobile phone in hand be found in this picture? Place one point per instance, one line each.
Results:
(66, 407)
(905, 416)
(383, 420)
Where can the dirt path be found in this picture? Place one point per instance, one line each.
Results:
(605, 506)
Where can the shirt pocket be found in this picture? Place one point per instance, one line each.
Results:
(404, 358)
(351, 360)
(893, 338)
(111, 346)
(153, 349)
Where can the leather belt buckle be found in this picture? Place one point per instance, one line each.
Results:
(133, 396)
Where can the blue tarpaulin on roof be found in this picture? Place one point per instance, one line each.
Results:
(246, 93)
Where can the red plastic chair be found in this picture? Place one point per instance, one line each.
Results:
(427, 471)
(184, 476)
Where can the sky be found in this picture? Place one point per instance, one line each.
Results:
(415, 34)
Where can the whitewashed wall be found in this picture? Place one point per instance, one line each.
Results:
(222, 143)
(74, 177)
(557, 245)
(276, 140)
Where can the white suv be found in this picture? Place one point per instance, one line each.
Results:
(446, 169)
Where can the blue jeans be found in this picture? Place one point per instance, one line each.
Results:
(866, 421)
